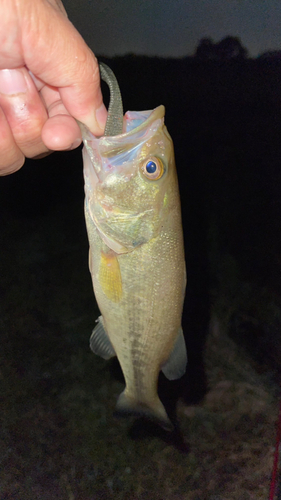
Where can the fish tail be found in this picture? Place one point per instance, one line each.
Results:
(156, 412)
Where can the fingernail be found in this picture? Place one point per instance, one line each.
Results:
(12, 82)
(101, 116)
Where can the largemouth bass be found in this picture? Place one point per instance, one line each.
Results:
(136, 258)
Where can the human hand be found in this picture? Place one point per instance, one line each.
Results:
(48, 78)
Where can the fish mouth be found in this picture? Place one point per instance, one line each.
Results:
(136, 121)
(107, 153)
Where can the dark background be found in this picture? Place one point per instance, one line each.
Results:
(224, 115)
(172, 29)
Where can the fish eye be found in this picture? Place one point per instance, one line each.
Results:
(153, 168)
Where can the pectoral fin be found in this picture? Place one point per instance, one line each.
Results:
(100, 343)
(110, 276)
(175, 366)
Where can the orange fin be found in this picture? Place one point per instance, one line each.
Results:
(110, 276)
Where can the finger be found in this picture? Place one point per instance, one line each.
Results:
(11, 157)
(60, 130)
(59, 5)
(24, 110)
(65, 62)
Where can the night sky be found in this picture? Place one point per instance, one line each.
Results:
(173, 28)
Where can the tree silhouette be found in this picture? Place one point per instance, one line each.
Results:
(206, 49)
(229, 47)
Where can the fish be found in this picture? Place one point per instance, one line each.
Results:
(136, 254)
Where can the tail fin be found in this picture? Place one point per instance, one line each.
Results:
(128, 406)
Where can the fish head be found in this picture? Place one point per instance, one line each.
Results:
(128, 178)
